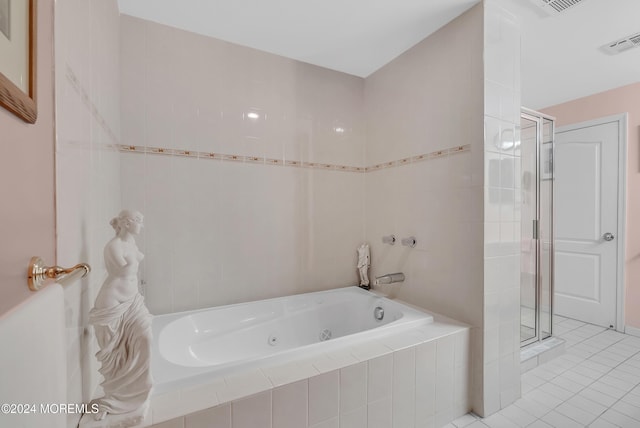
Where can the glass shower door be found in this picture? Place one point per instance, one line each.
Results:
(536, 268)
(545, 229)
(528, 250)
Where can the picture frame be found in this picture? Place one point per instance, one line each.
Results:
(18, 46)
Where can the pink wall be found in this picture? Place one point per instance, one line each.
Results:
(619, 100)
(27, 216)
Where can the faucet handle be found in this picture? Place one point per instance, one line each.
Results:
(409, 242)
(389, 239)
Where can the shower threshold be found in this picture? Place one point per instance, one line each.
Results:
(531, 356)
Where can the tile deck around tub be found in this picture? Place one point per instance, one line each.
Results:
(190, 399)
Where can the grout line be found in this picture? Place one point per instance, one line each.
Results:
(75, 83)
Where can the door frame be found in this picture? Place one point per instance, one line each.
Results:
(622, 120)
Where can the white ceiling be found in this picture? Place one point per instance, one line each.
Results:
(560, 56)
(561, 59)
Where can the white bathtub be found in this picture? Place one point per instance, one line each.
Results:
(216, 342)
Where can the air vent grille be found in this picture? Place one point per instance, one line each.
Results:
(552, 7)
(561, 5)
(622, 45)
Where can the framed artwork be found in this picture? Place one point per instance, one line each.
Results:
(18, 53)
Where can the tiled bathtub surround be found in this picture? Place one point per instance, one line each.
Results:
(460, 84)
(184, 91)
(431, 94)
(239, 229)
(265, 231)
(296, 228)
(418, 378)
(158, 181)
(87, 167)
(428, 96)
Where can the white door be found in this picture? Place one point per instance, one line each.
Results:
(586, 226)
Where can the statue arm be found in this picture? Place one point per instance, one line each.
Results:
(115, 255)
(118, 259)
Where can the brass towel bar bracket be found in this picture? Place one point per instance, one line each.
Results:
(38, 273)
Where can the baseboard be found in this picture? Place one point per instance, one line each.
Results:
(632, 331)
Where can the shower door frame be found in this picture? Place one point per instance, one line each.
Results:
(539, 118)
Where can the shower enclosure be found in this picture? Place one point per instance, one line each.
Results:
(536, 268)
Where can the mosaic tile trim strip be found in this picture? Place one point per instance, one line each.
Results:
(279, 162)
(86, 100)
(420, 158)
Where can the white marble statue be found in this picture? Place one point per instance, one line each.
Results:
(364, 261)
(122, 325)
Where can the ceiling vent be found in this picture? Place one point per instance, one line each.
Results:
(624, 44)
(553, 7)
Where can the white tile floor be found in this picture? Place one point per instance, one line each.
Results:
(596, 383)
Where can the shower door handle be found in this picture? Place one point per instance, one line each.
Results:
(608, 236)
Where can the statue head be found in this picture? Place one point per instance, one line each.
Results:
(127, 220)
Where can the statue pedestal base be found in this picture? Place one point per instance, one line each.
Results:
(137, 418)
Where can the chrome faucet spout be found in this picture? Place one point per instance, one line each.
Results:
(389, 278)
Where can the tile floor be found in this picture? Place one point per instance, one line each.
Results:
(596, 383)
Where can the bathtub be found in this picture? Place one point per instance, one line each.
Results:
(201, 345)
(339, 357)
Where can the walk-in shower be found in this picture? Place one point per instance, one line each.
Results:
(536, 269)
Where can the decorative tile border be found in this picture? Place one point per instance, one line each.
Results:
(420, 158)
(84, 96)
(292, 163)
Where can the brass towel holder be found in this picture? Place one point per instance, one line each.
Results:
(38, 273)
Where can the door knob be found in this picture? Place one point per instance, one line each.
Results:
(608, 236)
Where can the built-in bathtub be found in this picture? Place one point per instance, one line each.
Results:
(213, 358)
(220, 341)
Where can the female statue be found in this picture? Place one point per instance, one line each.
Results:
(122, 324)
(364, 261)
